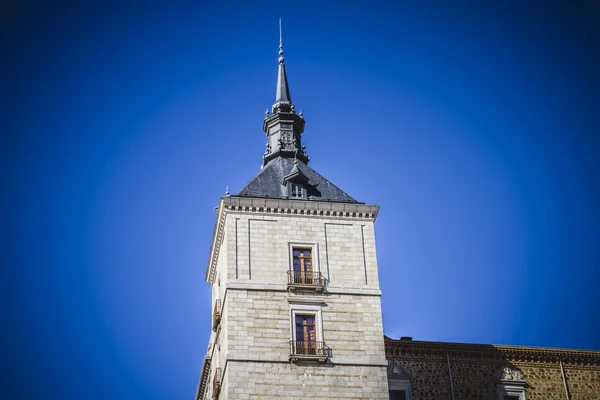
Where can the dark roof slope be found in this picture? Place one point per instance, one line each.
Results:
(269, 182)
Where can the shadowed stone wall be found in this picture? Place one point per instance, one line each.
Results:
(478, 370)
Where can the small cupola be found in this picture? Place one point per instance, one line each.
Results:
(283, 127)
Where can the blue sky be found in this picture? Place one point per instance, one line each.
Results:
(474, 126)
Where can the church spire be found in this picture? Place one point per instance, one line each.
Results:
(283, 127)
(283, 100)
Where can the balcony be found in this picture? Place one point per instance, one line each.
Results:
(307, 351)
(216, 315)
(217, 383)
(300, 280)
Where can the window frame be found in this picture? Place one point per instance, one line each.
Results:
(306, 309)
(293, 186)
(397, 384)
(305, 267)
(510, 382)
(510, 389)
(314, 252)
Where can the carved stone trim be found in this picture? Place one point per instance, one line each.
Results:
(204, 375)
(301, 207)
(509, 374)
(396, 370)
(216, 243)
(481, 352)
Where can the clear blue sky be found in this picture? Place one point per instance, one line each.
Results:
(475, 127)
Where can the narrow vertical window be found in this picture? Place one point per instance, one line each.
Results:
(297, 190)
(303, 270)
(306, 334)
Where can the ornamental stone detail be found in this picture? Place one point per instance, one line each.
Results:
(509, 374)
(395, 369)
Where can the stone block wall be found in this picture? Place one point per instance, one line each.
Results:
(258, 325)
(477, 370)
(248, 270)
(248, 380)
(258, 246)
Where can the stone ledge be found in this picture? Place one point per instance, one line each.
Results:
(282, 287)
(256, 360)
(302, 207)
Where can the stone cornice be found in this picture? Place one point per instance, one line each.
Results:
(217, 241)
(204, 375)
(487, 352)
(231, 204)
(277, 287)
(301, 207)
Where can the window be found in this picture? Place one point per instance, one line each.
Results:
(397, 395)
(511, 393)
(302, 265)
(297, 190)
(217, 383)
(306, 333)
(303, 273)
(399, 386)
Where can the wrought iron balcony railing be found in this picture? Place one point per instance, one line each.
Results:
(217, 383)
(216, 315)
(308, 350)
(305, 280)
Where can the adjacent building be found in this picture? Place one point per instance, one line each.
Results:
(456, 371)
(296, 301)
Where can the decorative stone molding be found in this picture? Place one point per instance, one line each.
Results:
(509, 374)
(204, 375)
(408, 349)
(218, 234)
(270, 287)
(395, 369)
(301, 207)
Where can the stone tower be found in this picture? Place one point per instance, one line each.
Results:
(295, 289)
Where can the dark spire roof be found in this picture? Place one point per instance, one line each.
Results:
(283, 99)
(268, 183)
(285, 159)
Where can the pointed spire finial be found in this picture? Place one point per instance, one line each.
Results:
(280, 44)
(283, 126)
(226, 190)
(283, 100)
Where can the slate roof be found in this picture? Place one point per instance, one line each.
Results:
(269, 182)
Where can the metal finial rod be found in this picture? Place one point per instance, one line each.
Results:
(280, 43)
